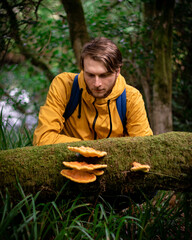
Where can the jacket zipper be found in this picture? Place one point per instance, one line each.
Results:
(108, 103)
(93, 126)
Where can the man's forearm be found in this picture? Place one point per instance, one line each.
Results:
(52, 138)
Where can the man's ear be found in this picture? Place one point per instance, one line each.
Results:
(118, 71)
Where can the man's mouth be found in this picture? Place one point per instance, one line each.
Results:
(98, 90)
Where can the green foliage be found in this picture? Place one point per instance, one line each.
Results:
(28, 78)
(12, 136)
(29, 218)
(159, 218)
(182, 59)
(182, 105)
(44, 32)
(67, 219)
(122, 22)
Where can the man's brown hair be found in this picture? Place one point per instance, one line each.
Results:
(103, 50)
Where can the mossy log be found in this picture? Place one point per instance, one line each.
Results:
(38, 168)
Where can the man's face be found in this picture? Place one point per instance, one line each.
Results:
(99, 81)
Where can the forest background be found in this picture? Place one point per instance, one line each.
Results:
(40, 39)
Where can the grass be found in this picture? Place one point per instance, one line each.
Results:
(160, 218)
(13, 136)
(67, 219)
(167, 216)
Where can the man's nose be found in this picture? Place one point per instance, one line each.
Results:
(97, 81)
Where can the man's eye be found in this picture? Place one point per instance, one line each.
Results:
(90, 75)
(105, 75)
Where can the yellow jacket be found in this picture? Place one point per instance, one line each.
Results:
(94, 122)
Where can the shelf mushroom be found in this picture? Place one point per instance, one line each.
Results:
(140, 167)
(78, 175)
(88, 151)
(83, 172)
(84, 166)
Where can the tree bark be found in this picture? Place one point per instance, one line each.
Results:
(162, 87)
(38, 168)
(159, 16)
(77, 26)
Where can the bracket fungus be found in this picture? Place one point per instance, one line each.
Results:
(97, 172)
(83, 172)
(78, 175)
(140, 167)
(88, 151)
(84, 166)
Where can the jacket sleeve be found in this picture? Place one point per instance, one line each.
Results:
(50, 123)
(137, 121)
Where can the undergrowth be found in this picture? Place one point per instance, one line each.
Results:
(13, 136)
(167, 216)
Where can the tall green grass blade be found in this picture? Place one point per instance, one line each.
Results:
(62, 189)
(68, 219)
(83, 230)
(25, 224)
(57, 210)
(125, 220)
(95, 218)
(13, 136)
(29, 137)
(107, 233)
(103, 213)
(35, 219)
(3, 141)
(6, 203)
(5, 223)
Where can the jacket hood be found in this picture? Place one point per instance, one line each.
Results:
(117, 90)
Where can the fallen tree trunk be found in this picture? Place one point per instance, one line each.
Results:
(38, 168)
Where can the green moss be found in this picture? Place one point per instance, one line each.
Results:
(169, 155)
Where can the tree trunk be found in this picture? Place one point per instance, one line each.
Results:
(38, 168)
(161, 15)
(77, 26)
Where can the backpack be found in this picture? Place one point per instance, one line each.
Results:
(74, 100)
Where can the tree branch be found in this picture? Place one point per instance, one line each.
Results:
(77, 26)
(16, 36)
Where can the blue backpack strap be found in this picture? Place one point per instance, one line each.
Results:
(74, 99)
(121, 107)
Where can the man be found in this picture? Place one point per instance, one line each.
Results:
(96, 115)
